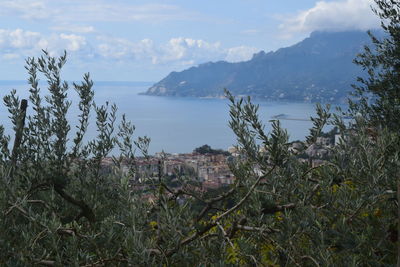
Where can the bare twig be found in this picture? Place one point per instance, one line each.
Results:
(38, 201)
(107, 262)
(246, 196)
(311, 259)
(38, 237)
(214, 222)
(210, 202)
(256, 229)
(183, 242)
(87, 212)
(18, 132)
(46, 263)
(271, 210)
(225, 234)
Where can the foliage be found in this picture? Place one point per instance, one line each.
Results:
(61, 207)
(379, 93)
(55, 198)
(206, 149)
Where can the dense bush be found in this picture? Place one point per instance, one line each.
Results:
(206, 149)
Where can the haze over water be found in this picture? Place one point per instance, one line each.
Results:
(175, 125)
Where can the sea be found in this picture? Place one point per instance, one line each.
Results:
(174, 124)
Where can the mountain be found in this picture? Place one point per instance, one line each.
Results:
(319, 68)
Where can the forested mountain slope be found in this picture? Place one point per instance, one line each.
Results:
(319, 68)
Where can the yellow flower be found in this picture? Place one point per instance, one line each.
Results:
(350, 184)
(153, 224)
(233, 254)
(335, 188)
(364, 214)
(214, 217)
(279, 216)
(266, 253)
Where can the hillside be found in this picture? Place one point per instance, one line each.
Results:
(319, 68)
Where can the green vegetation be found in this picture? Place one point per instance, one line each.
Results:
(60, 208)
(206, 149)
(380, 92)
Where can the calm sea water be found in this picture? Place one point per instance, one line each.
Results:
(176, 125)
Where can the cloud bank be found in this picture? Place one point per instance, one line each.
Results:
(333, 16)
(180, 51)
(183, 51)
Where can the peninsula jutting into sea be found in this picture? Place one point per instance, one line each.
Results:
(317, 69)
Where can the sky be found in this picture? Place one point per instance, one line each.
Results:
(144, 40)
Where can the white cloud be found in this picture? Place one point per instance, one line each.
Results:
(73, 42)
(240, 53)
(11, 56)
(188, 50)
(18, 39)
(122, 49)
(21, 43)
(31, 10)
(74, 28)
(117, 12)
(71, 11)
(333, 16)
(178, 51)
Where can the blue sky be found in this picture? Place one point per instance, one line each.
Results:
(144, 40)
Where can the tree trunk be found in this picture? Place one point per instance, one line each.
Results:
(398, 221)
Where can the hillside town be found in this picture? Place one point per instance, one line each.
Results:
(211, 168)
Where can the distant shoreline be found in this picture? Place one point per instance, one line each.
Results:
(256, 99)
(137, 83)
